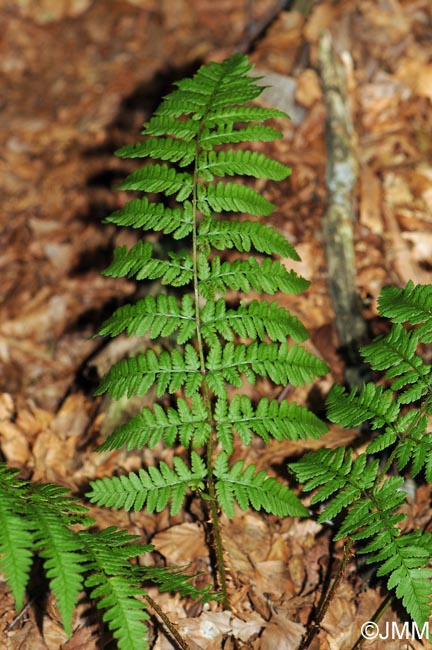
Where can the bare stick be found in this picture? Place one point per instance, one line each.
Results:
(341, 175)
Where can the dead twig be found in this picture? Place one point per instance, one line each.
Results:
(341, 175)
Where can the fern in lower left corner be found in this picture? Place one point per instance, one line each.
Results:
(41, 519)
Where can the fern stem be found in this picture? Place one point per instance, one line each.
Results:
(326, 600)
(172, 630)
(216, 536)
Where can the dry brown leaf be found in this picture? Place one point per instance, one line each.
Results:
(14, 444)
(281, 633)
(83, 638)
(273, 577)
(6, 407)
(53, 634)
(251, 534)
(53, 458)
(323, 15)
(28, 637)
(182, 543)
(416, 75)
(72, 419)
(47, 11)
(421, 245)
(370, 200)
(308, 88)
(338, 622)
(387, 18)
(209, 628)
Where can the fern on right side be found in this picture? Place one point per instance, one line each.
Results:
(361, 488)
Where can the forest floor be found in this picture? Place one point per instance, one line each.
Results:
(79, 78)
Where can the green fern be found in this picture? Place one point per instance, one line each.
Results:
(115, 584)
(217, 346)
(359, 489)
(40, 519)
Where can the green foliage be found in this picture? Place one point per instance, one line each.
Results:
(217, 345)
(155, 487)
(40, 519)
(360, 489)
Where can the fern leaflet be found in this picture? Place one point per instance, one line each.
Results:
(155, 487)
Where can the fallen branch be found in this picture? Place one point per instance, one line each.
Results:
(341, 175)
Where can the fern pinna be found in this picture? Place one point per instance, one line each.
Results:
(401, 415)
(188, 136)
(40, 519)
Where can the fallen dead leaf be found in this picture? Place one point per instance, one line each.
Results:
(308, 88)
(370, 200)
(209, 628)
(182, 543)
(321, 18)
(281, 633)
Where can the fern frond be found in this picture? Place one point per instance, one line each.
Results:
(231, 162)
(187, 423)
(175, 579)
(396, 353)
(37, 518)
(372, 403)
(63, 560)
(244, 486)
(242, 235)
(231, 197)
(141, 213)
(191, 127)
(170, 371)
(16, 534)
(282, 364)
(171, 149)
(159, 178)
(160, 316)
(412, 304)
(253, 320)
(165, 125)
(233, 114)
(218, 85)
(244, 275)
(155, 487)
(228, 135)
(372, 516)
(138, 262)
(43, 521)
(282, 420)
(382, 409)
(114, 583)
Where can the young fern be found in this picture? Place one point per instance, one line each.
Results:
(360, 487)
(41, 519)
(218, 344)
